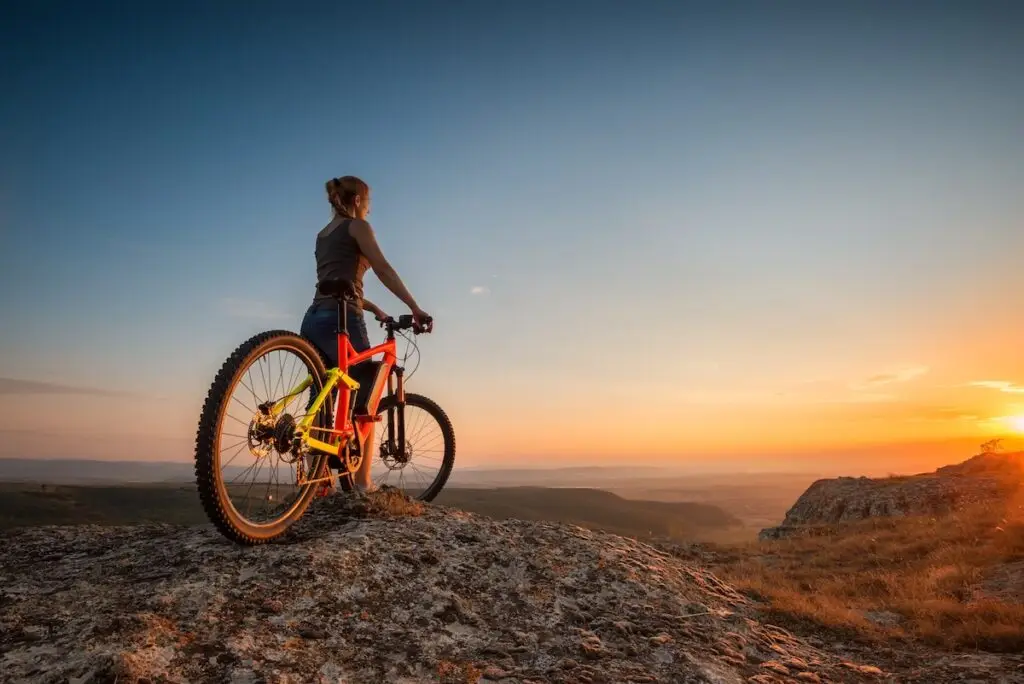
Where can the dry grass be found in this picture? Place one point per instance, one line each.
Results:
(907, 578)
(389, 502)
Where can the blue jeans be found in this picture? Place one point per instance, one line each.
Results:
(319, 326)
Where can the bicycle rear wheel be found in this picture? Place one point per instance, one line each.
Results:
(237, 440)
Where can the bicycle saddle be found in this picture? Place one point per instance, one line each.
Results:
(339, 288)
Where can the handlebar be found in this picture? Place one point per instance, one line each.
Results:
(406, 322)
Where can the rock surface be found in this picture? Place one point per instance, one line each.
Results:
(358, 596)
(983, 478)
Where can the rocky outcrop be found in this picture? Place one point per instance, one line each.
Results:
(983, 478)
(1001, 466)
(359, 596)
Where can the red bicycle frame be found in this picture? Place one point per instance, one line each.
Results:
(348, 357)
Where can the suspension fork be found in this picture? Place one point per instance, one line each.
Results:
(396, 428)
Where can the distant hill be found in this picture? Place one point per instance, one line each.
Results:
(586, 476)
(591, 508)
(27, 505)
(85, 471)
(38, 504)
(758, 499)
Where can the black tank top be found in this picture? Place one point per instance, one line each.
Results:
(338, 256)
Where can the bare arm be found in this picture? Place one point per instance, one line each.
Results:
(374, 309)
(364, 236)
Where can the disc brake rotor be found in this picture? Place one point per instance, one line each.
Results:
(261, 430)
(392, 458)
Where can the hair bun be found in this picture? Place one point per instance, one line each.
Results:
(342, 192)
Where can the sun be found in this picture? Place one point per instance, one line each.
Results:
(1017, 423)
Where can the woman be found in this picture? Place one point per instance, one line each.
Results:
(345, 248)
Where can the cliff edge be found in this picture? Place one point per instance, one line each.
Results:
(984, 478)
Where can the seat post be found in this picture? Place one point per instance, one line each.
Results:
(342, 316)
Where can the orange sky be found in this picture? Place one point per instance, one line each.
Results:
(909, 415)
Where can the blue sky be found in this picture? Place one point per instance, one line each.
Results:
(748, 199)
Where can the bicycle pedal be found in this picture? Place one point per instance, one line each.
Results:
(369, 419)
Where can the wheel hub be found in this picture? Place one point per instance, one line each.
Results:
(266, 433)
(284, 433)
(261, 431)
(393, 458)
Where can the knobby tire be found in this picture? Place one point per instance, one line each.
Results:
(212, 491)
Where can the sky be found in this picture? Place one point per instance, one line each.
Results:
(653, 232)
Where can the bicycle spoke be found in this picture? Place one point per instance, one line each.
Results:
(280, 378)
(247, 408)
(255, 401)
(259, 364)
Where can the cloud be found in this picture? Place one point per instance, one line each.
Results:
(16, 386)
(478, 290)
(834, 391)
(928, 413)
(905, 374)
(251, 308)
(1001, 385)
(893, 377)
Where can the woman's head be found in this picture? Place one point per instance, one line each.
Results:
(349, 196)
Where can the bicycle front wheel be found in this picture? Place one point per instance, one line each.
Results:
(422, 465)
(253, 482)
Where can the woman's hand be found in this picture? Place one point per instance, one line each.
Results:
(422, 319)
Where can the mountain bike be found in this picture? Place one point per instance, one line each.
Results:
(295, 431)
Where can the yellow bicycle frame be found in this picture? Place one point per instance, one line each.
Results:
(302, 428)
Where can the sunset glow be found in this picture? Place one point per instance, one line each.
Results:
(1017, 423)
